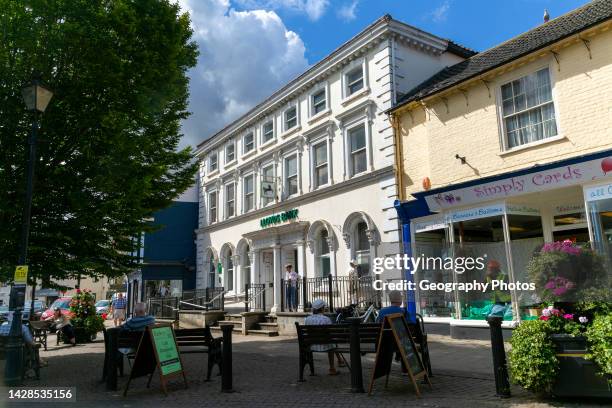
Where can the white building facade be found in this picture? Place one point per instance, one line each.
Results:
(307, 177)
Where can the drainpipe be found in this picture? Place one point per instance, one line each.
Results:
(398, 166)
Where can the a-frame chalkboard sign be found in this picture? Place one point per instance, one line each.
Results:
(395, 337)
(157, 350)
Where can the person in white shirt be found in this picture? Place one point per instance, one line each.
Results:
(353, 274)
(291, 281)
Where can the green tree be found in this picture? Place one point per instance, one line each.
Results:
(108, 151)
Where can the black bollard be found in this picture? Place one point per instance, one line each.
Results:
(356, 372)
(226, 362)
(111, 359)
(502, 384)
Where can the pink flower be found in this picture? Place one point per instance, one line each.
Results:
(544, 318)
(546, 313)
(568, 316)
(559, 291)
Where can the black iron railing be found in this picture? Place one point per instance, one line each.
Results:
(339, 291)
(163, 307)
(255, 297)
(203, 299)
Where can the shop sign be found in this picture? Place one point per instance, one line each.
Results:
(568, 208)
(475, 213)
(599, 193)
(21, 275)
(429, 225)
(522, 210)
(570, 175)
(278, 218)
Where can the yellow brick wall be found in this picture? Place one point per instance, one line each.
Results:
(466, 123)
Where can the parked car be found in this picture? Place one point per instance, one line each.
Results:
(102, 306)
(39, 307)
(63, 303)
(4, 310)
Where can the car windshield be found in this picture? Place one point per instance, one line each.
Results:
(61, 303)
(102, 303)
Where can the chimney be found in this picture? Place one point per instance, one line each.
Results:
(546, 16)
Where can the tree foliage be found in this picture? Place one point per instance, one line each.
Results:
(108, 151)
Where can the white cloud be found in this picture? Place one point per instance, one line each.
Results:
(314, 9)
(244, 57)
(441, 12)
(347, 11)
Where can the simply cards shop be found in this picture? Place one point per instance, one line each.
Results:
(506, 218)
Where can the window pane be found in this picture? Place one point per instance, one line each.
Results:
(324, 245)
(359, 162)
(291, 166)
(229, 153)
(318, 102)
(362, 237)
(321, 175)
(506, 91)
(292, 185)
(248, 184)
(248, 142)
(357, 138)
(290, 118)
(268, 131)
(320, 153)
(354, 80)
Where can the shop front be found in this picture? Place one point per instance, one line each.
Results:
(506, 220)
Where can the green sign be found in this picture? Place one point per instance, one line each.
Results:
(167, 353)
(219, 268)
(279, 218)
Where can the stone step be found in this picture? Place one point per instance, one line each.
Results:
(266, 333)
(218, 329)
(229, 322)
(268, 325)
(233, 317)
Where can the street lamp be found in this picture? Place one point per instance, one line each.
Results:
(36, 97)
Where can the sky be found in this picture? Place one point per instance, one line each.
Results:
(250, 48)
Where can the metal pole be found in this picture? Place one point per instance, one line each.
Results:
(502, 384)
(14, 346)
(356, 371)
(226, 371)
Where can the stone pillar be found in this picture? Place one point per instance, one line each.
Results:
(301, 264)
(277, 278)
(237, 272)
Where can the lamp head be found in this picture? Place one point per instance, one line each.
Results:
(36, 95)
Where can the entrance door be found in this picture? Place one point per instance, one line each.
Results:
(266, 276)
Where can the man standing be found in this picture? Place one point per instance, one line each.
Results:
(353, 274)
(291, 278)
(119, 305)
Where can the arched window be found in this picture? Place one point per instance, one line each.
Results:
(324, 261)
(229, 272)
(246, 266)
(212, 272)
(362, 248)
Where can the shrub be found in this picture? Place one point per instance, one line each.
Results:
(599, 336)
(85, 321)
(533, 364)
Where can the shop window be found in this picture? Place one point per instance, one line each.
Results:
(528, 110)
(267, 132)
(268, 185)
(248, 191)
(230, 200)
(320, 169)
(362, 249)
(600, 213)
(291, 176)
(357, 150)
(248, 143)
(212, 207)
(324, 261)
(290, 118)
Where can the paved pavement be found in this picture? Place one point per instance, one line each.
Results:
(265, 375)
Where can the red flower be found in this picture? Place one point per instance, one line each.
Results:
(544, 317)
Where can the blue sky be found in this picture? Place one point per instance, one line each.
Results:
(250, 48)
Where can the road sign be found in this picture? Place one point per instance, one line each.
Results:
(21, 275)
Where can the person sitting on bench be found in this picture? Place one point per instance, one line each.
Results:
(395, 298)
(62, 323)
(318, 318)
(140, 320)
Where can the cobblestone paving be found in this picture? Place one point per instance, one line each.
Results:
(265, 375)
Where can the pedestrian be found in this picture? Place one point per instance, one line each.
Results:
(318, 318)
(395, 300)
(353, 274)
(291, 280)
(62, 324)
(140, 320)
(119, 305)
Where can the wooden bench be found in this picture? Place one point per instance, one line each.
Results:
(40, 329)
(333, 334)
(200, 341)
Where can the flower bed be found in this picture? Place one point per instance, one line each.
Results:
(85, 321)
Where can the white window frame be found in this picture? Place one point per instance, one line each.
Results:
(286, 157)
(297, 126)
(210, 162)
(244, 193)
(311, 107)
(267, 142)
(226, 214)
(350, 172)
(346, 96)
(254, 142)
(211, 207)
(503, 137)
(274, 176)
(232, 144)
(313, 166)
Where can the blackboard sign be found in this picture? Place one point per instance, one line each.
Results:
(395, 337)
(157, 349)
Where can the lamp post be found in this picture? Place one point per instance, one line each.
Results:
(36, 97)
